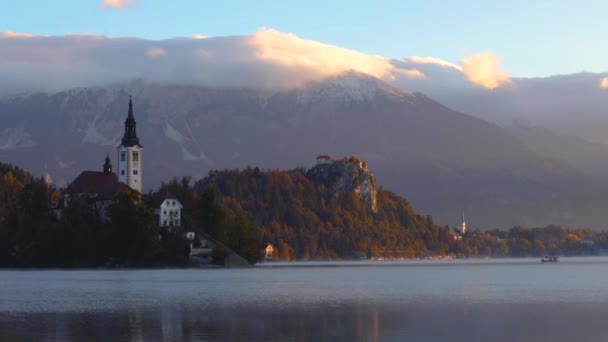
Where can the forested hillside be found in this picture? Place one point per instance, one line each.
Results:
(307, 221)
(304, 219)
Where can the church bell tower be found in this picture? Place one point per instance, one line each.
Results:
(463, 227)
(130, 155)
(107, 167)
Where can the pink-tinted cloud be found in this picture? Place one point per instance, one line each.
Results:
(199, 36)
(118, 4)
(12, 34)
(604, 83)
(320, 60)
(431, 60)
(483, 70)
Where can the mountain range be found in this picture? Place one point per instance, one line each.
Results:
(443, 161)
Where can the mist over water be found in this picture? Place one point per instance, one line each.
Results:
(461, 300)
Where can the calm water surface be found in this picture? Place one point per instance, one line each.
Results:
(461, 300)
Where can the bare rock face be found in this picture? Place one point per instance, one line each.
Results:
(350, 175)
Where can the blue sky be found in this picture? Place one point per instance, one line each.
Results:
(531, 38)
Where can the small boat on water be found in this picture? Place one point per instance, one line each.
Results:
(547, 258)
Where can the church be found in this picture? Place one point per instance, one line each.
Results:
(458, 232)
(103, 186)
(130, 154)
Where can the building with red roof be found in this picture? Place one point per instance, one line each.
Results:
(93, 181)
(100, 187)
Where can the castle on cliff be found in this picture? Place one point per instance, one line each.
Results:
(325, 159)
(346, 174)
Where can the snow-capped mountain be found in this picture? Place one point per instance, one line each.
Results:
(443, 161)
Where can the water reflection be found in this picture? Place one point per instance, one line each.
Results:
(462, 302)
(349, 323)
(344, 323)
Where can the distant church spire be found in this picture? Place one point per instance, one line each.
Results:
(130, 137)
(463, 228)
(107, 167)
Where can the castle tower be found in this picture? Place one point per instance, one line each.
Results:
(463, 228)
(130, 155)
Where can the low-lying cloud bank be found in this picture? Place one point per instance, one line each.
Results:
(267, 59)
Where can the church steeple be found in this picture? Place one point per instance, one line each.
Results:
(130, 155)
(107, 167)
(463, 227)
(130, 138)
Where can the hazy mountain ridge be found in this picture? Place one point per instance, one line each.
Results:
(572, 105)
(443, 161)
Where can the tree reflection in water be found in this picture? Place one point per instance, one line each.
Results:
(303, 323)
(344, 322)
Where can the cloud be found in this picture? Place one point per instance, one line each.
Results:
(483, 70)
(431, 60)
(156, 52)
(265, 59)
(199, 36)
(409, 73)
(86, 35)
(11, 34)
(604, 83)
(318, 60)
(118, 4)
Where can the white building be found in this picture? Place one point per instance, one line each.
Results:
(170, 213)
(130, 154)
(168, 210)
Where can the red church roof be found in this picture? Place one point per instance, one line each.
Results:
(93, 181)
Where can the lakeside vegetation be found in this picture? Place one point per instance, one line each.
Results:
(33, 235)
(245, 210)
(306, 221)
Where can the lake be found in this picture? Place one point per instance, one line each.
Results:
(450, 300)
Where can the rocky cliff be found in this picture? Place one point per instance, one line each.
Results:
(346, 175)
